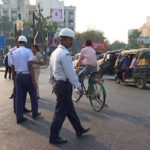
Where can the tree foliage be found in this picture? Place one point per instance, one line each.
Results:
(91, 34)
(5, 26)
(43, 27)
(117, 45)
(132, 39)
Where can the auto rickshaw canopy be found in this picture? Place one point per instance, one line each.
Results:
(142, 55)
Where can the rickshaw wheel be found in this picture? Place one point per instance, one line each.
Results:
(140, 83)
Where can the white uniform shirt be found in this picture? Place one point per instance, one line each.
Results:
(10, 55)
(61, 67)
(37, 58)
(20, 58)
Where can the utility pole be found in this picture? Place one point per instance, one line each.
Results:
(39, 18)
(40, 14)
(33, 26)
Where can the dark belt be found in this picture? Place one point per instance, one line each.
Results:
(65, 80)
(62, 80)
(24, 72)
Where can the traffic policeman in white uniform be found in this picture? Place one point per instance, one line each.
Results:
(23, 74)
(63, 76)
(14, 88)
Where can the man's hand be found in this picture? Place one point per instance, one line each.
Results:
(76, 66)
(34, 84)
(81, 92)
(53, 87)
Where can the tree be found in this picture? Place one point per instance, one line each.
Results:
(43, 27)
(91, 34)
(5, 26)
(117, 45)
(132, 39)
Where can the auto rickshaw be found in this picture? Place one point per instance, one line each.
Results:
(141, 73)
(106, 61)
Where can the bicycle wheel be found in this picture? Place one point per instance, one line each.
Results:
(98, 96)
(75, 95)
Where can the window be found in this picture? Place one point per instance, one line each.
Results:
(5, 12)
(13, 12)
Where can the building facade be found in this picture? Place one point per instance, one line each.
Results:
(55, 9)
(12, 8)
(69, 17)
(145, 29)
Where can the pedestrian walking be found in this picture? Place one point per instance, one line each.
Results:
(62, 77)
(23, 74)
(7, 67)
(13, 95)
(10, 63)
(37, 62)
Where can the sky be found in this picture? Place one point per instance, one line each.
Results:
(113, 17)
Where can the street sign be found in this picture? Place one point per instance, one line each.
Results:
(2, 43)
(97, 45)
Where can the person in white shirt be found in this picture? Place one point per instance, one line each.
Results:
(63, 76)
(10, 64)
(7, 67)
(13, 95)
(37, 62)
(23, 75)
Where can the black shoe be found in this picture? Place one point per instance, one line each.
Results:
(21, 120)
(58, 140)
(37, 115)
(26, 110)
(5, 76)
(11, 97)
(79, 133)
(38, 97)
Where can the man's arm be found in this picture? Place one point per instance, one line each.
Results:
(40, 60)
(80, 59)
(51, 77)
(13, 72)
(30, 63)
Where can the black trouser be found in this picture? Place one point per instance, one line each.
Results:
(104, 69)
(23, 85)
(129, 72)
(14, 97)
(7, 69)
(64, 108)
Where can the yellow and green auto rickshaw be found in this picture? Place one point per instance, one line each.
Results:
(141, 72)
(106, 64)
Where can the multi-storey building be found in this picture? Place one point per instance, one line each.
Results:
(145, 29)
(12, 8)
(69, 17)
(63, 15)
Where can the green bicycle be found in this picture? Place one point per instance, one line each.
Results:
(94, 90)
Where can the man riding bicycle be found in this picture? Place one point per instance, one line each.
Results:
(88, 59)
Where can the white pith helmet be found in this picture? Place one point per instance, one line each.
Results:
(67, 32)
(22, 39)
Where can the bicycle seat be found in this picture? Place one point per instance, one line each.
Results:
(92, 73)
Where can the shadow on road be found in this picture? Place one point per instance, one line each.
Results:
(127, 117)
(86, 142)
(50, 106)
(134, 86)
(41, 127)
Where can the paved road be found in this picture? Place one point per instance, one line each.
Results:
(125, 125)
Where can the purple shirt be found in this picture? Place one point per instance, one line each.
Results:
(133, 63)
